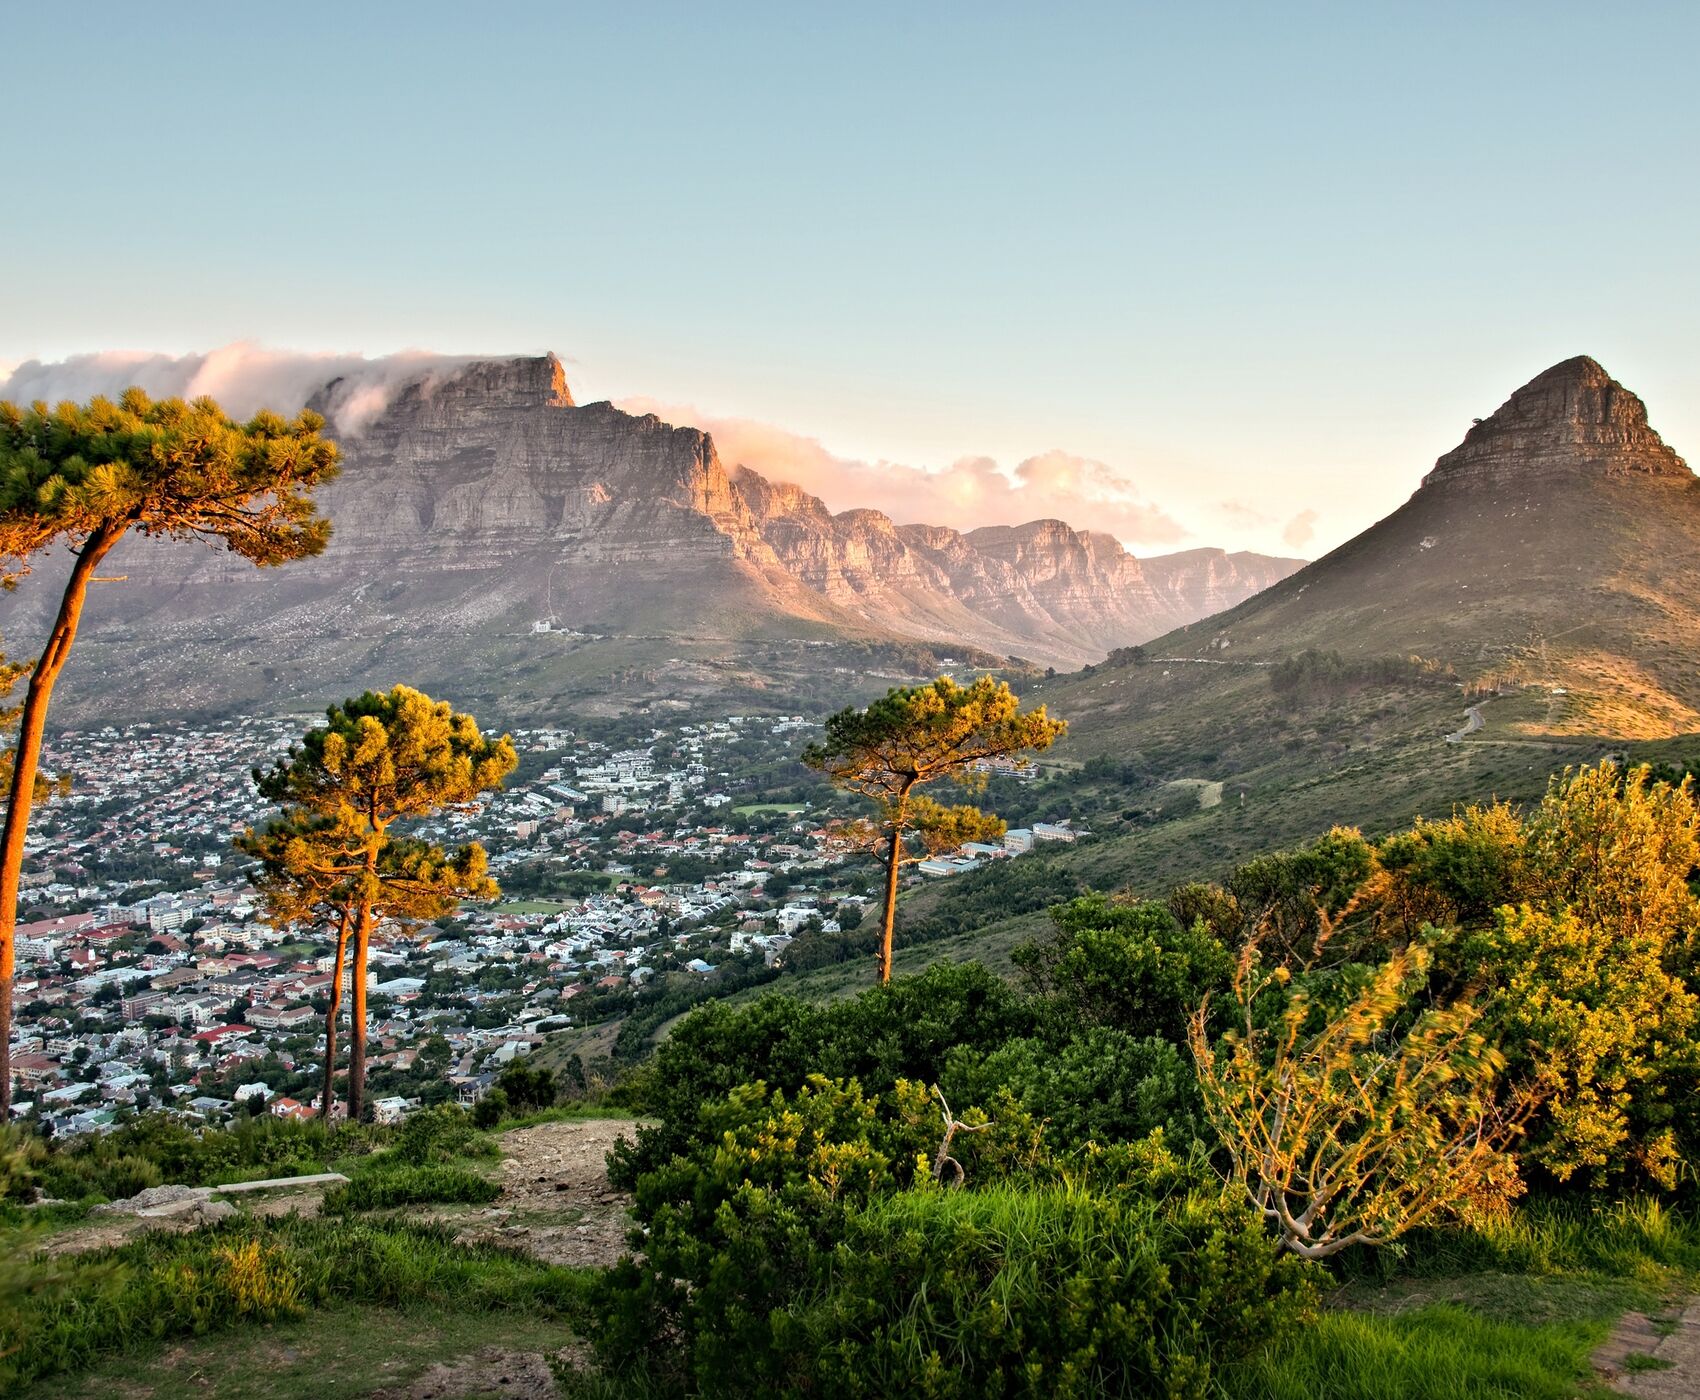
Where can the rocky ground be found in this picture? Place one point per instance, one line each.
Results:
(556, 1203)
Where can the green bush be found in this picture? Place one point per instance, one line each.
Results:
(1102, 1086)
(802, 1248)
(1114, 962)
(1049, 1291)
(157, 1148)
(435, 1135)
(905, 1029)
(491, 1109)
(411, 1185)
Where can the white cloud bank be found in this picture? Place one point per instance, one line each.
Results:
(243, 377)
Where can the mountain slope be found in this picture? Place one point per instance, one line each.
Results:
(481, 503)
(1550, 564)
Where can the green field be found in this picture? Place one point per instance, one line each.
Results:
(756, 809)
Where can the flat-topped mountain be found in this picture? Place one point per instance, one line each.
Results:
(481, 508)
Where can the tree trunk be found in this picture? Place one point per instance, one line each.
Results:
(357, 1015)
(331, 1011)
(32, 721)
(894, 863)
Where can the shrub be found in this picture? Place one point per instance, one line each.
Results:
(1103, 1085)
(804, 1249)
(738, 1225)
(1131, 965)
(491, 1109)
(527, 1089)
(435, 1135)
(1048, 1291)
(411, 1185)
(905, 1029)
(158, 1147)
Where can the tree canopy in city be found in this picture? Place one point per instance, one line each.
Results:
(379, 759)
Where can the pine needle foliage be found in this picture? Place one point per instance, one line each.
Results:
(334, 854)
(916, 735)
(82, 477)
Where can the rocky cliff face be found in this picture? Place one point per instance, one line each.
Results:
(481, 500)
(1573, 418)
(1042, 590)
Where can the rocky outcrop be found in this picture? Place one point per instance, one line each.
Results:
(1572, 418)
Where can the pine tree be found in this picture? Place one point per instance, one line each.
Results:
(379, 759)
(84, 477)
(311, 874)
(918, 735)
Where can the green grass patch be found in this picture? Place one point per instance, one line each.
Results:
(1436, 1353)
(756, 809)
(562, 1113)
(411, 1186)
(255, 1271)
(328, 1355)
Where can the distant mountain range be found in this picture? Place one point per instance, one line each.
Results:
(482, 504)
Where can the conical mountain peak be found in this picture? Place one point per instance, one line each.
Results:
(1571, 419)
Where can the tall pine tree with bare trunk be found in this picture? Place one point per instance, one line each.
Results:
(312, 873)
(917, 735)
(83, 476)
(380, 759)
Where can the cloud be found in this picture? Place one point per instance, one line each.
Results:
(970, 492)
(242, 376)
(1301, 529)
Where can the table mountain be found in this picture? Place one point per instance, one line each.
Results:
(481, 502)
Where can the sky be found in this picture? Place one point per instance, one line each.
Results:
(1201, 275)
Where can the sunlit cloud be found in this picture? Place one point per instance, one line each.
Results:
(970, 492)
(1301, 529)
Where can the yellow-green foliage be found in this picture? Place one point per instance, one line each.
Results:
(1350, 1123)
(1553, 950)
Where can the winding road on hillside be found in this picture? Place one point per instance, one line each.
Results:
(1473, 721)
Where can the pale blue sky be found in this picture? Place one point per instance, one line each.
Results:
(1273, 255)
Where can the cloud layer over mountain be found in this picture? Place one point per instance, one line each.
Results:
(970, 492)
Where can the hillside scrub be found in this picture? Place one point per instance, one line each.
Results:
(156, 1148)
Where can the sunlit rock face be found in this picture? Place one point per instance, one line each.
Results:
(1571, 419)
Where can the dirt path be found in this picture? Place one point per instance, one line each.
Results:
(1655, 1358)
(556, 1203)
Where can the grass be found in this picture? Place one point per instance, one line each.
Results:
(410, 1186)
(562, 1113)
(250, 1271)
(756, 809)
(1513, 1308)
(333, 1355)
(1442, 1352)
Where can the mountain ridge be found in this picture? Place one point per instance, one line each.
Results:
(482, 502)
